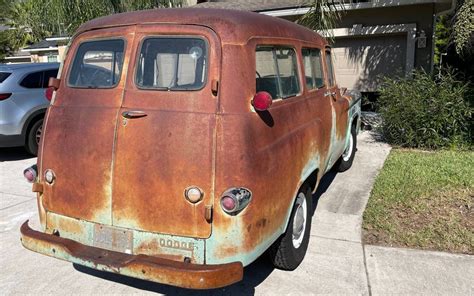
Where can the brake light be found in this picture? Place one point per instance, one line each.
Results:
(228, 203)
(234, 200)
(31, 173)
(4, 96)
(48, 93)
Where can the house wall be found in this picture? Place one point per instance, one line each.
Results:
(421, 15)
(362, 60)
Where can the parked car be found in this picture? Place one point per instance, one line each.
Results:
(183, 144)
(23, 103)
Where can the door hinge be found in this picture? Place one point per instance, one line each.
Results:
(208, 213)
(214, 86)
(37, 187)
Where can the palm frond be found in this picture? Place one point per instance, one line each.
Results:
(323, 16)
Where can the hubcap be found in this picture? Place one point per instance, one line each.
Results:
(299, 220)
(38, 134)
(347, 154)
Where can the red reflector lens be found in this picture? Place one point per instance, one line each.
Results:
(262, 101)
(4, 96)
(228, 203)
(48, 93)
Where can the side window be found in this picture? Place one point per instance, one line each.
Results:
(330, 69)
(32, 80)
(313, 68)
(277, 71)
(97, 64)
(48, 74)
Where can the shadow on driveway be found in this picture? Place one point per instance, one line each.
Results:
(14, 153)
(254, 274)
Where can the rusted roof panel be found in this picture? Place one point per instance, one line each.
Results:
(232, 26)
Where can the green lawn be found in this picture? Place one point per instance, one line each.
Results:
(423, 200)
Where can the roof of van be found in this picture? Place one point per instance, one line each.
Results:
(232, 26)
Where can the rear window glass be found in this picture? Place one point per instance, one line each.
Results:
(97, 64)
(3, 76)
(277, 71)
(177, 63)
(32, 80)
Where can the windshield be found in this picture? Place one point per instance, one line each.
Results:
(177, 63)
(97, 64)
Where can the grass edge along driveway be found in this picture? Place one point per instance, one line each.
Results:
(423, 200)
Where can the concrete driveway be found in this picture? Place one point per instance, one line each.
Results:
(336, 262)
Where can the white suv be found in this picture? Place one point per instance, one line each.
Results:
(23, 103)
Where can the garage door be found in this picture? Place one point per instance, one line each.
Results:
(362, 61)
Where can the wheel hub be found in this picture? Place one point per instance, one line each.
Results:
(299, 220)
(38, 134)
(348, 152)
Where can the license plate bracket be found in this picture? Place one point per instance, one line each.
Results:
(113, 238)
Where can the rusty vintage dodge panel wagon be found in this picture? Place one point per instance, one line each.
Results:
(181, 144)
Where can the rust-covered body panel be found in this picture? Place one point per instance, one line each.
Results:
(158, 156)
(131, 174)
(78, 142)
(166, 271)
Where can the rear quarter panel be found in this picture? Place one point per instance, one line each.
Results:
(271, 153)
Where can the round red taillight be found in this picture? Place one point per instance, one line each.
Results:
(48, 93)
(30, 174)
(228, 203)
(262, 101)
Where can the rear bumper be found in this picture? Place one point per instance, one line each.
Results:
(165, 271)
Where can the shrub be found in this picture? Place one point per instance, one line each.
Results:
(424, 112)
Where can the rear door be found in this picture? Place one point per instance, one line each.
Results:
(165, 133)
(80, 127)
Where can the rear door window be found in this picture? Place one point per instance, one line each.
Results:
(97, 64)
(313, 68)
(277, 71)
(3, 76)
(32, 80)
(172, 63)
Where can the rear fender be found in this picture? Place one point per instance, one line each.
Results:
(354, 114)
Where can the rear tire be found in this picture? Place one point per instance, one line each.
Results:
(33, 137)
(289, 250)
(345, 162)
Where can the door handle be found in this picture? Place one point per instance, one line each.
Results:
(133, 114)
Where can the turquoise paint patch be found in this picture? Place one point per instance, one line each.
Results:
(354, 111)
(215, 245)
(158, 244)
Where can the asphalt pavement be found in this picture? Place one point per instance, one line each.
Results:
(336, 262)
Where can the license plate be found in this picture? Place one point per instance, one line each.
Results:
(112, 238)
